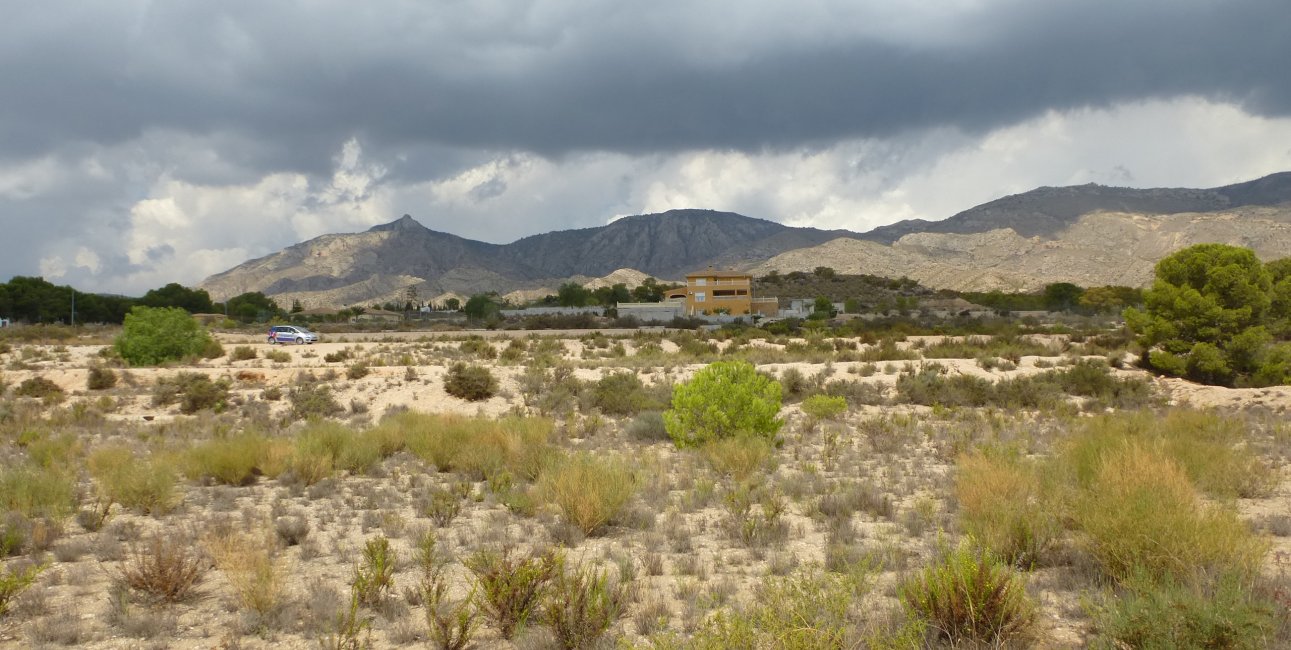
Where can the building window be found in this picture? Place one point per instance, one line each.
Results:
(699, 282)
(699, 296)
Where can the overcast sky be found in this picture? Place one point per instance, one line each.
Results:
(149, 142)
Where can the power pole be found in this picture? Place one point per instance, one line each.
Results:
(73, 305)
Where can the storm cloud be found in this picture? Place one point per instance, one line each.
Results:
(142, 142)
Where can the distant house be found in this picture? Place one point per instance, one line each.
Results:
(725, 292)
(716, 295)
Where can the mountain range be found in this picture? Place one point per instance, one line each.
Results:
(1087, 234)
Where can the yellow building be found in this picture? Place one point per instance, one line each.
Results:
(724, 292)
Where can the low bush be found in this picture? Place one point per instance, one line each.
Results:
(470, 382)
(508, 587)
(151, 336)
(580, 606)
(38, 492)
(250, 562)
(358, 371)
(477, 346)
(242, 353)
(969, 596)
(313, 400)
(165, 568)
(621, 393)
(38, 387)
(648, 426)
(193, 391)
(14, 580)
(1197, 613)
(278, 356)
(824, 407)
(588, 490)
(100, 378)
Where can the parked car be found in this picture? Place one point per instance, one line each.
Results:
(291, 334)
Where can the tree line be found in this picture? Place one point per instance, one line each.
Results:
(36, 300)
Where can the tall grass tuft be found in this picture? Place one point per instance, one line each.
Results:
(254, 570)
(1141, 513)
(146, 485)
(1008, 506)
(739, 457)
(970, 596)
(588, 490)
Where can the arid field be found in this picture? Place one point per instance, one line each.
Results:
(522, 490)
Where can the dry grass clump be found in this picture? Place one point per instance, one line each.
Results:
(740, 457)
(1141, 513)
(146, 485)
(251, 564)
(165, 569)
(589, 491)
(1008, 506)
(234, 460)
(36, 491)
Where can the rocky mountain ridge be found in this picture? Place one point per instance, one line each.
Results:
(1088, 234)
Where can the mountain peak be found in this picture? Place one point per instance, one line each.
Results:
(406, 222)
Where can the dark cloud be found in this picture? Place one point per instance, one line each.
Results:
(398, 74)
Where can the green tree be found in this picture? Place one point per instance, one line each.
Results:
(194, 301)
(648, 291)
(822, 308)
(152, 335)
(253, 306)
(725, 399)
(1280, 297)
(453, 304)
(1062, 296)
(1110, 299)
(482, 306)
(296, 307)
(1204, 315)
(824, 272)
(572, 294)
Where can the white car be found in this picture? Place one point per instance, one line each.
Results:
(291, 334)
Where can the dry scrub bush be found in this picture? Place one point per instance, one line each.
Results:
(508, 587)
(589, 491)
(40, 388)
(1008, 506)
(255, 572)
(969, 596)
(34, 491)
(242, 353)
(738, 458)
(100, 378)
(146, 485)
(1141, 513)
(165, 568)
(470, 382)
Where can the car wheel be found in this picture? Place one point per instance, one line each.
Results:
(300, 340)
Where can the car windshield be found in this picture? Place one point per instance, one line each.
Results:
(303, 330)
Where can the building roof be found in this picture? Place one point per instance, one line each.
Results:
(714, 273)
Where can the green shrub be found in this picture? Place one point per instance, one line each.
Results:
(155, 335)
(805, 611)
(144, 485)
(15, 580)
(358, 371)
(479, 347)
(374, 576)
(313, 400)
(824, 407)
(581, 604)
(724, 399)
(193, 391)
(33, 492)
(1203, 613)
(508, 588)
(589, 491)
(38, 387)
(648, 426)
(278, 356)
(242, 353)
(100, 378)
(1007, 505)
(338, 356)
(620, 393)
(1140, 513)
(472, 383)
(970, 596)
